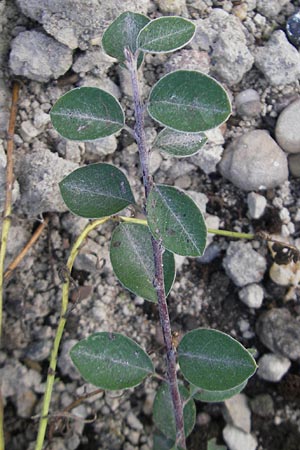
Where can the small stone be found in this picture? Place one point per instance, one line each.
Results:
(254, 161)
(65, 363)
(237, 439)
(200, 199)
(28, 131)
(248, 103)
(50, 59)
(293, 29)
(273, 367)
(263, 405)
(41, 119)
(256, 204)
(280, 332)
(208, 158)
(88, 257)
(192, 59)
(237, 412)
(243, 264)
(71, 150)
(177, 7)
(183, 182)
(269, 8)
(93, 60)
(287, 129)
(211, 252)
(155, 161)
(26, 403)
(252, 295)
(134, 422)
(101, 147)
(278, 60)
(294, 164)
(284, 274)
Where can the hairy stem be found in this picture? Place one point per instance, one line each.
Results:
(158, 255)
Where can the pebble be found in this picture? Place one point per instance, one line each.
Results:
(49, 60)
(134, 422)
(263, 405)
(101, 147)
(223, 36)
(71, 150)
(280, 332)
(237, 412)
(254, 161)
(183, 182)
(270, 8)
(40, 119)
(65, 363)
(28, 131)
(272, 367)
(39, 173)
(190, 59)
(252, 295)
(256, 205)
(93, 60)
(287, 129)
(278, 60)
(176, 7)
(208, 158)
(284, 274)
(243, 264)
(294, 165)
(248, 103)
(293, 28)
(237, 439)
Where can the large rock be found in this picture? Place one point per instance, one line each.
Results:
(76, 23)
(254, 161)
(223, 36)
(280, 332)
(287, 128)
(38, 57)
(39, 173)
(278, 60)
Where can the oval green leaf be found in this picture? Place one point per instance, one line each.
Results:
(190, 101)
(214, 361)
(163, 415)
(132, 260)
(165, 34)
(161, 442)
(216, 396)
(86, 114)
(122, 33)
(95, 191)
(179, 144)
(174, 218)
(111, 361)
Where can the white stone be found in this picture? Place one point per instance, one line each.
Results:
(256, 204)
(287, 129)
(273, 367)
(237, 439)
(28, 131)
(252, 295)
(237, 412)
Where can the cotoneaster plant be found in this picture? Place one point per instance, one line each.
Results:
(213, 366)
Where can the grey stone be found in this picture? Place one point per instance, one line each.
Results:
(243, 264)
(134, 422)
(5, 98)
(208, 158)
(39, 173)
(177, 7)
(96, 150)
(94, 60)
(252, 295)
(50, 59)
(256, 205)
(237, 439)
(16, 189)
(71, 150)
(287, 129)
(223, 35)
(89, 255)
(40, 119)
(254, 161)
(76, 23)
(273, 367)
(237, 412)
(280, 332)
(190, 59)
(270, 8)
(65, 363)
(278, 60)
(248, 103)
(28, 131)
(294, 164)
(25, 404)
(17, 379)
(262, 405)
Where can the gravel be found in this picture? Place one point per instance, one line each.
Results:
(237, 439)
(273, 367)
(287, 130)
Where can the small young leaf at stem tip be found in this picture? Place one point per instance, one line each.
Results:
(132, 260)
(165, 34)
(96, 191)
(86, 114)
(163, 413)
(111, 361)
(122, 33)
(174, 218)
(187, 100)
(216, 396)
(179, 144)
(214, 361)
